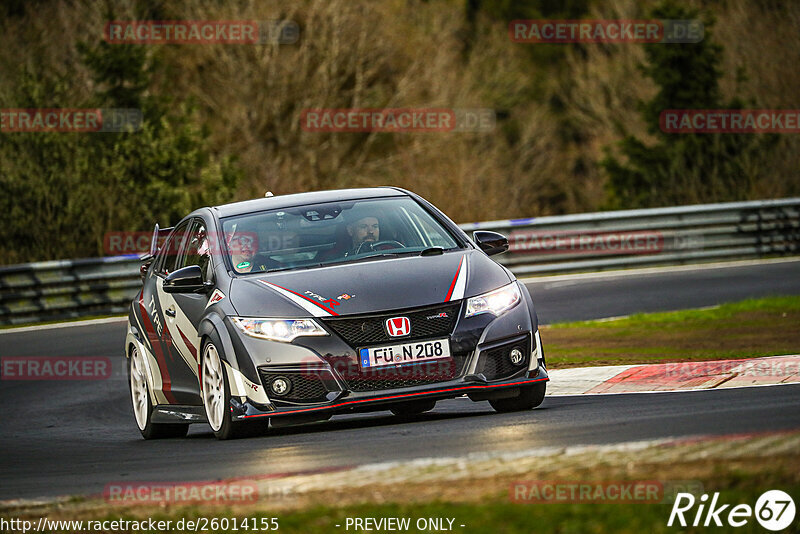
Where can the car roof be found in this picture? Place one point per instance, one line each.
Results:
(301, 199)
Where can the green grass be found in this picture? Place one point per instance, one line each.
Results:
(750, 328)
(770, 305)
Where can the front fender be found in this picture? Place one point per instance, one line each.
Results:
(243, 378)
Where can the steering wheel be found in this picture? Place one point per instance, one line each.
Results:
(379, 245)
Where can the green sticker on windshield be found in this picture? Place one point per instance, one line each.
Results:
(243, 265)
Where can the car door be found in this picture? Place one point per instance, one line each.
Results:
(183, 311)
(178, 381)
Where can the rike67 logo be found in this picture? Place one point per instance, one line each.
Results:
(774, 510)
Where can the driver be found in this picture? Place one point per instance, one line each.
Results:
(360, 230)
(365, 229)
(242, 249)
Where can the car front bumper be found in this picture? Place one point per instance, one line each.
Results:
(480, 346)
(384, 399)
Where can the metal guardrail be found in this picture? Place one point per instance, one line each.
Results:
(55, 290)
(58, 290)
(631, 238)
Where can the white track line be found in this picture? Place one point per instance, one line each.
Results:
(673, 390)
(86, 322)
(654, 270)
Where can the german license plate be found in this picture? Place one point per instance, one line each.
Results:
(415, 352)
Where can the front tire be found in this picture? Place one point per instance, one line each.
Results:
(143, 407)
(530, 397)
(217, 399)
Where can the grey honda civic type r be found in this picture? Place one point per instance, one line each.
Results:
(294, 308)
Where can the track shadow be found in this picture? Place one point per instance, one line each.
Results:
(356, 422)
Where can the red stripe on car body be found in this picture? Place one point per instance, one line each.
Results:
(166, 381)
(192, 350)
(390, 397)
(304, 298)
(455, 279)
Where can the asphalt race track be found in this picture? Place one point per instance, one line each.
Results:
(61, 437)
(599, 295)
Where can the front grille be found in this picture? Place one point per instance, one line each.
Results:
(428, 322)
(495, 364)
(404, 376)
(307, 385)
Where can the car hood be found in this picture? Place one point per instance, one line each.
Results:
(371, 286)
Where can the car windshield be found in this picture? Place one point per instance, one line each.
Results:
(339, 232)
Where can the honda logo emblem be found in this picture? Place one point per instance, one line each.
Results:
(398, 326)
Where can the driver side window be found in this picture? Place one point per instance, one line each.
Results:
(171, 249)
(197, 250)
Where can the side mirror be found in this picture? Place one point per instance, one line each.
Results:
(490, 242)
(188, 279)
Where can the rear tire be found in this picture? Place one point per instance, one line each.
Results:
(217, 399)
(143, 407)
(413, 408)
(530, 397)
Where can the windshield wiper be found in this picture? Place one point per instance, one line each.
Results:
(384, 255)
(299, 267)
(432, 251)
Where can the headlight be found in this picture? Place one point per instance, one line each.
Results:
(495, 302)
(278, 329)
